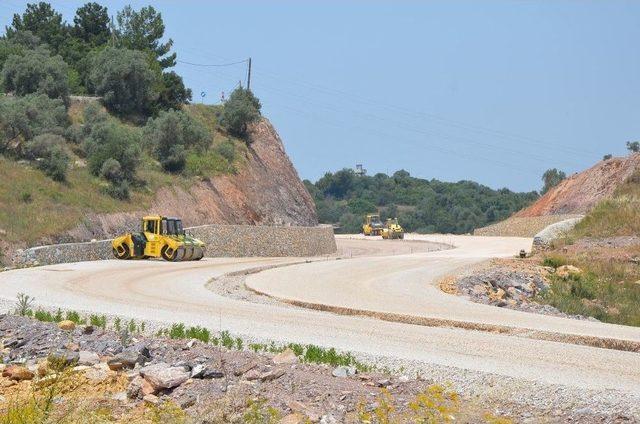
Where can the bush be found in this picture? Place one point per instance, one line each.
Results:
(51, 156)
(207, 164)
(124, 79)
(35, 71)
(172, 133)
(111, 171)
(119, 191)
(110, 140)
(174, 94)
(23, 118)
(240, 110)
(227, 150)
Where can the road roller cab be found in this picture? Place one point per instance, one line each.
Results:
(159, 237)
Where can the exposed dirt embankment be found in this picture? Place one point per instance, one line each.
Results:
(265, 191)
(580, 192)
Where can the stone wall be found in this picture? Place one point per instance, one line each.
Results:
(221, 240)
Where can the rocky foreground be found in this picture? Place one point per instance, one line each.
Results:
(84, 370)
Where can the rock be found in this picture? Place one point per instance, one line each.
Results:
(151, 399)
(403, 379)
(67, 325)
(244, 369)
(8, 383)
(17, 373)
(285, 357)
(204, 372)
(252, 375)
(565, 271)
(88, 358)
(328, 419)
(272, 375)
(163, 376)
(135, 387)
(479, 289)
(303, 409)
(127, 359)
(187, 401)
(344, 371)
(97, 373)
(190, 343)
(383, 383)
(295, 418)
(88, 329)
(147, 388)
(72, 346)
(120, 396)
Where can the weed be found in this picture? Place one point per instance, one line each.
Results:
(26, 197)
(117, 324)
(44, 316)
(166, 412)
(58, 316)
(239, 343)
(99, 321)
(198, 333)
(554, 261)
(177, 331)
(258, 413)
(226, 340)
(132, 327)
(23, 304)
(75, 317)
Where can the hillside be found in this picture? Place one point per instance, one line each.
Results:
(580, 192)
(253, 184)
(424, 206)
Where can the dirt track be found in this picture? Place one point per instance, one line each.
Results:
(401, 281)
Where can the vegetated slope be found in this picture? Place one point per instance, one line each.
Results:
(256, 184)
(580, 192)
(265, 190)
(424, 206)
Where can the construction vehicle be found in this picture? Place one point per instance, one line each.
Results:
(372, 225)
(392, 230)
(160, 237)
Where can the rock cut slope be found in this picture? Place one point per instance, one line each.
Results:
(578, 193)
(265, 191)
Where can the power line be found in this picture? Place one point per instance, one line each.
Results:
(217, 65)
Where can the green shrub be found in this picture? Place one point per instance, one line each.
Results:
(242, 109)
(35, 71)
(99, 321)
(227, 150)
(226, 340)
(119, 191)
(44, 316)
(124, 79)
(49, 152)
(111, 140)
(207, 164)
(198, 333)
(75, 317)
(554, 261)
(29, 116)
(177, 331)
(172, 133)
(111, 171)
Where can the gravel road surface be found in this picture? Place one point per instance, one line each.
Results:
(399, 282)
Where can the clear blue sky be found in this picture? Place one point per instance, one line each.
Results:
(494, 91)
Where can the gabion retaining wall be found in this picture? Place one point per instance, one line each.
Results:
(221, 240)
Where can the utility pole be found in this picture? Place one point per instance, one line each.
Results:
(249, 76)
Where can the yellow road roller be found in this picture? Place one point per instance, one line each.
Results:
(372, 225)
(160, 237)
(392, 230)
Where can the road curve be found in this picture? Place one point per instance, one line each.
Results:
(176, 292)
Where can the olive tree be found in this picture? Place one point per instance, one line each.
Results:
(111, 140)
(23, 118)
(48, 150)
(172, 133)
(240, 110)
(124, 79)
(35, 71)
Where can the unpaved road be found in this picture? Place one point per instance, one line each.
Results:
(399, 281)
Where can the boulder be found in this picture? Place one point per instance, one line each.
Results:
(151, 399)
(164, 376)
(134, 388)
(17, 373)
(88, 358)
(205, 372)
(97, 373)
(127, 359)
(344, 371)
(271, 375)
(63, 358)
(285, 357)
(67, 325)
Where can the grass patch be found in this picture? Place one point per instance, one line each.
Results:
(606, 289)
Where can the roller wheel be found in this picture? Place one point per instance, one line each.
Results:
(198, 254)
(166, 256)
(125, 254)
(179, 254)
